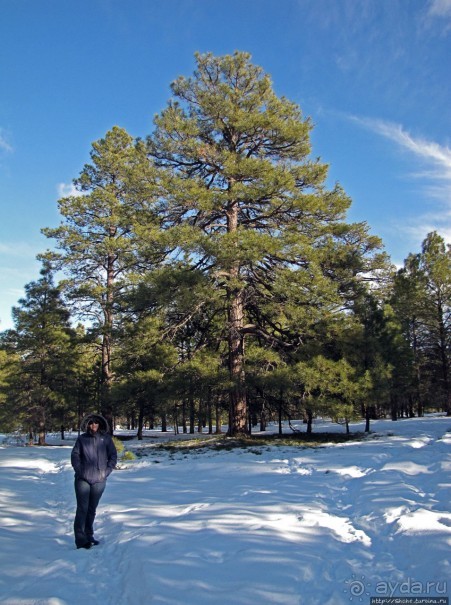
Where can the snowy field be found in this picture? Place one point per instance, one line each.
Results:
(316, 526)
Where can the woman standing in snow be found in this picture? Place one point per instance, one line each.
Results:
(93, 458)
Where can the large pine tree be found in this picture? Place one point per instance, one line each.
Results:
(248, 206)
(96, 240)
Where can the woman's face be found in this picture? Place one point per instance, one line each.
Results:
(93, 425)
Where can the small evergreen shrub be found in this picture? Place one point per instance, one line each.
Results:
(128, 456)
(123, 454)
(120, 447)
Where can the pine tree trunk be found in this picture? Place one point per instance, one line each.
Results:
(105, 382)
(367, 420)
(309, 421)
(184, 426)
(263, 419)
(200, 417)
(192, 410)
(209, 413)
(41, 429)
(140, 421)
(394, 407)
(107, 374)
(238, 404)
(218, 417)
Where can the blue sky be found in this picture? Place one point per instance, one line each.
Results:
(374, 76)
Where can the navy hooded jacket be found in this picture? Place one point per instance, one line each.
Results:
(94, 455)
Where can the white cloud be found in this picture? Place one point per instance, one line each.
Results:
(413, 230)
(18, 249)
(15, 293)
(4, 143)
(440, 8)
(417, 229)
(432, 170)
(435, 159)
(439, 12)
(428, 150)
(67, 189)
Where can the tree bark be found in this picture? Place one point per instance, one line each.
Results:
(237, 397)
(107, 373)
(218, 416)
(367, 420)
(41, 428)
(309, 421)
(238, 404)
(140, 421)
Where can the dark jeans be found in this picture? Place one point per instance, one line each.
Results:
(88, 497)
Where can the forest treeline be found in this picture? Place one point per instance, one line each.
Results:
(206, 275)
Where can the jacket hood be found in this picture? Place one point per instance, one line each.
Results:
(103, 424)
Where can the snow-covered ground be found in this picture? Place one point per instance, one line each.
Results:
(288, 525)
